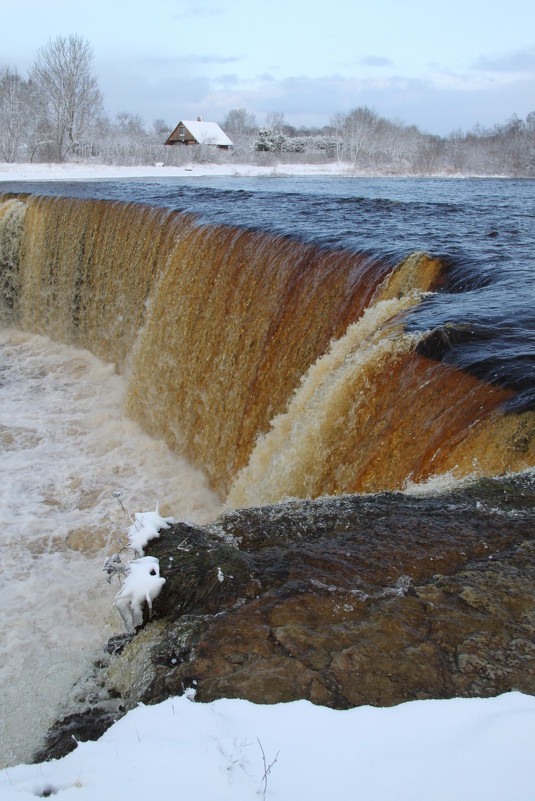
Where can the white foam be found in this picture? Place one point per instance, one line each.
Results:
(66, 448)
(439, 484)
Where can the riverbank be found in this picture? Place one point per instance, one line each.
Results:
(91, 172)
(88, 172)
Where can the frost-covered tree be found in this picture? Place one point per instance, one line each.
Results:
(269, 140)
(67, 96)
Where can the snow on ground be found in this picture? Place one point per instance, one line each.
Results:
(462, 749)
(87, 172)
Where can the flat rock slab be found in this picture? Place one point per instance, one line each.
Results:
(357, 600)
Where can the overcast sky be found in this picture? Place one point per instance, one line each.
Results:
(442, 66)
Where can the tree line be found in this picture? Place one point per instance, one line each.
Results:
(55, 114)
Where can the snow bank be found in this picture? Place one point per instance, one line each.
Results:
(88, 172)
(467, 749)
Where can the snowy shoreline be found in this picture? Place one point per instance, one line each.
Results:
(90, 172)
(86, 172)
(467, 749)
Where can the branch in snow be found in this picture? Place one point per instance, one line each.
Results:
(114, 567)
(143, 581)
(267, 768)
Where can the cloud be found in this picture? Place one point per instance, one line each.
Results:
(377, 61)
(433, 107)
(438, 103)
(517, 61)
(170, 97)
(161, 65)
(229, 79)
(211, 59)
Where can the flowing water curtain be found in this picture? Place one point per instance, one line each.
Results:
(236, 320)
(216, 328)
(12, 214)
(373, 415)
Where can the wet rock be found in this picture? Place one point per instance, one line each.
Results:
(65, 734)
(356, 600)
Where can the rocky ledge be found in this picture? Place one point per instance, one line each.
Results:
(356, 600)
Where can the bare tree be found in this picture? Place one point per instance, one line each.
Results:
(241, 126)
(238, 122)
(66, 90)
(161, 129)
(13, 113)
(275, 120)
(131, 125)
(358, 129)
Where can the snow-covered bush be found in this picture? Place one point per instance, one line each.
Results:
(142, 582)
(142, 585)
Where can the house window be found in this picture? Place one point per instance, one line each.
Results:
(182, 131)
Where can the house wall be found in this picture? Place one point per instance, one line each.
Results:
(176, 138)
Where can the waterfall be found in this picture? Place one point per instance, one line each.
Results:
(278, 367)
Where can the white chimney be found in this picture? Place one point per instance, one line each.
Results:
(199, 118)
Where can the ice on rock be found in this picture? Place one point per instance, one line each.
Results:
(142, 585)
(147, 526)
(143, 581)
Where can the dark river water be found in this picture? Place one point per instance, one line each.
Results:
(483, 228)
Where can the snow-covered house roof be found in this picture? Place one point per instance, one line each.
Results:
(199, 132)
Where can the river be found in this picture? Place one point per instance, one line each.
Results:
(200, 341)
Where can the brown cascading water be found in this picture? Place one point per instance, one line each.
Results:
(371, 415)
(221, 332)
(217, 325)
(87, 269)
(12, 213)
(234, 323)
